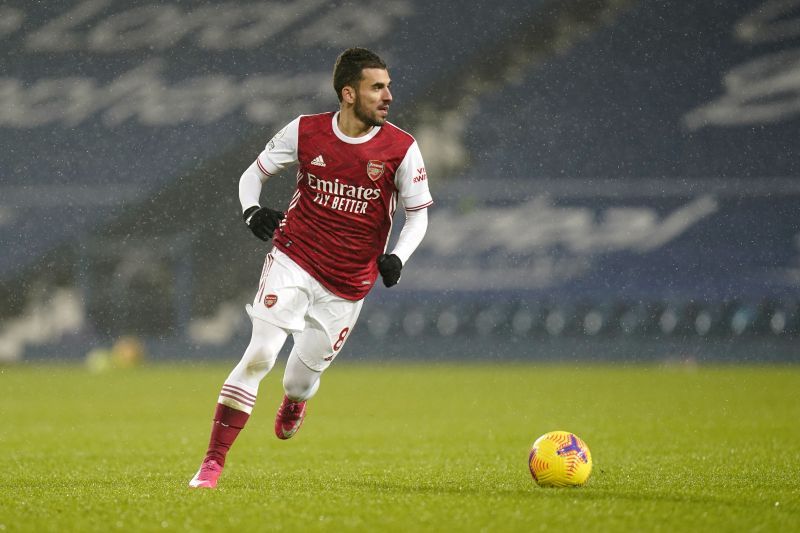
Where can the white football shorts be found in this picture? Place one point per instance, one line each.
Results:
(290, 298)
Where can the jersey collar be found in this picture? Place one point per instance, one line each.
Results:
(352, 140)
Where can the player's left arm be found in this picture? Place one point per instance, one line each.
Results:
(412, 184)
(414, 228)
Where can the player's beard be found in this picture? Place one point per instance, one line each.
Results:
(370, 118)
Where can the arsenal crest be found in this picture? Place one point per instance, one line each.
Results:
(375, 169)
(270, 299)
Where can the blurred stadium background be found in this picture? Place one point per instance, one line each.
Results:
(614, 179)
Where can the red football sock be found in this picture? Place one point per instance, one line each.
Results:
(228, 422)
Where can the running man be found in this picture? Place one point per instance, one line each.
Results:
(328, 247)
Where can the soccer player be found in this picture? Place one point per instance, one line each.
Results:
(328, 247)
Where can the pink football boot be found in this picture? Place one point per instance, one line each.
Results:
(289, 418)
(207, 476)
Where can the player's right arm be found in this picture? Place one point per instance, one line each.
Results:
(280, 152)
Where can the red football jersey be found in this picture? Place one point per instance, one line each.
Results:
(339, 219)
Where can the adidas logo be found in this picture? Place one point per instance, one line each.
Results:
(318, 161)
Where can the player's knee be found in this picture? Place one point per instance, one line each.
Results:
(261, 366)
(259, 359)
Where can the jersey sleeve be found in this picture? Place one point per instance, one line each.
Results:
(281, 151)
(411, 180)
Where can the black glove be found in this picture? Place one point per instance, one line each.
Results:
(389, 265)
(262, 221)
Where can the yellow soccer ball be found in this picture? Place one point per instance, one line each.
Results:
(560, 459)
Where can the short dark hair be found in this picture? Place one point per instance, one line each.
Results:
(348, 67)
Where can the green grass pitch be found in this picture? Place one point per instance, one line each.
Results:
(417, 447)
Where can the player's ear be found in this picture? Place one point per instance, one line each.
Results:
(348, 94)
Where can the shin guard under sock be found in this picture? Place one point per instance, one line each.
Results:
(228, 422)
